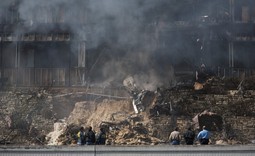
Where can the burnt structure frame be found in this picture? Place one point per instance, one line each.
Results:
(204, 27)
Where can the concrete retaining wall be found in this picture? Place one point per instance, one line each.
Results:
(132, 151)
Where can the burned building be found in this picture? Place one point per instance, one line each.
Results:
(52, 43)
(217, 33)
(149, 46)
(40, 49)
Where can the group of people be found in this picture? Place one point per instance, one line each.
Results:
(89, 137)
(190, 136)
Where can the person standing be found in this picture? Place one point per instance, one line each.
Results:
(203, 136)
(81, 136)
(90, 137)
(175, 137)
(101, 138)
(189, 136)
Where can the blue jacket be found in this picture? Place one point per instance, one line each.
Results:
(204, 134)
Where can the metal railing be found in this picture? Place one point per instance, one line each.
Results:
(235, 72)
(42, 76)
(133, 151)
(63, 77)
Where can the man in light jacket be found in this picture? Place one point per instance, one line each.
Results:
(203, 136)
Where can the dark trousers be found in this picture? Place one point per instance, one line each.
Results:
(89, 143)
(175, 142)
(204, 141)
(189, 142)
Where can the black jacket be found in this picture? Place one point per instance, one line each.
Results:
(189, 136)
(90, 137)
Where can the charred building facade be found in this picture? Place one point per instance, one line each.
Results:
(36, 49)
(49, 44)
(219, 34)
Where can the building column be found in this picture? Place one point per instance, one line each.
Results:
(1, 59)
(232, 9)
(69, 67)
(231, 57)
(17, 55)
(17, 61)
(82, 61)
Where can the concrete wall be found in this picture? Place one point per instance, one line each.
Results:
(132, 151)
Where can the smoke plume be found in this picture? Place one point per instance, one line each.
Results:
(134, 32)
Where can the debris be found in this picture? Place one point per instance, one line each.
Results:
(211, 120)
(23, 112)
(221, 142)
(198, 86)
(59, 129)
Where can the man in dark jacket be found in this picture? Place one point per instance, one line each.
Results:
(189, 136)
(101, 138)
(90, 137)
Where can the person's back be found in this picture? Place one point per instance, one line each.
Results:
(81, 136)
(175, 137)
(189, 137)
(90, 137)
(101, 137)
(204, 136)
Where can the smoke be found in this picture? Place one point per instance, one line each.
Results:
(124, 25)
(113, 20)
(132, 29)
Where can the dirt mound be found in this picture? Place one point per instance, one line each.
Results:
(93, 114)
(132, 135)
(123, 127)
(52, 137)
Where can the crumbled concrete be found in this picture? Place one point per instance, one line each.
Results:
(27, 116)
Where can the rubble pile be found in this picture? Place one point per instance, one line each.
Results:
(214, 105)
(53, 137)
(134, 135)
(26, 116)
(225, 106)
(116, 117)
(155, 114)
(212, 121)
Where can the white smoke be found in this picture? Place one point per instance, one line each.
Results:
(124, 24)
